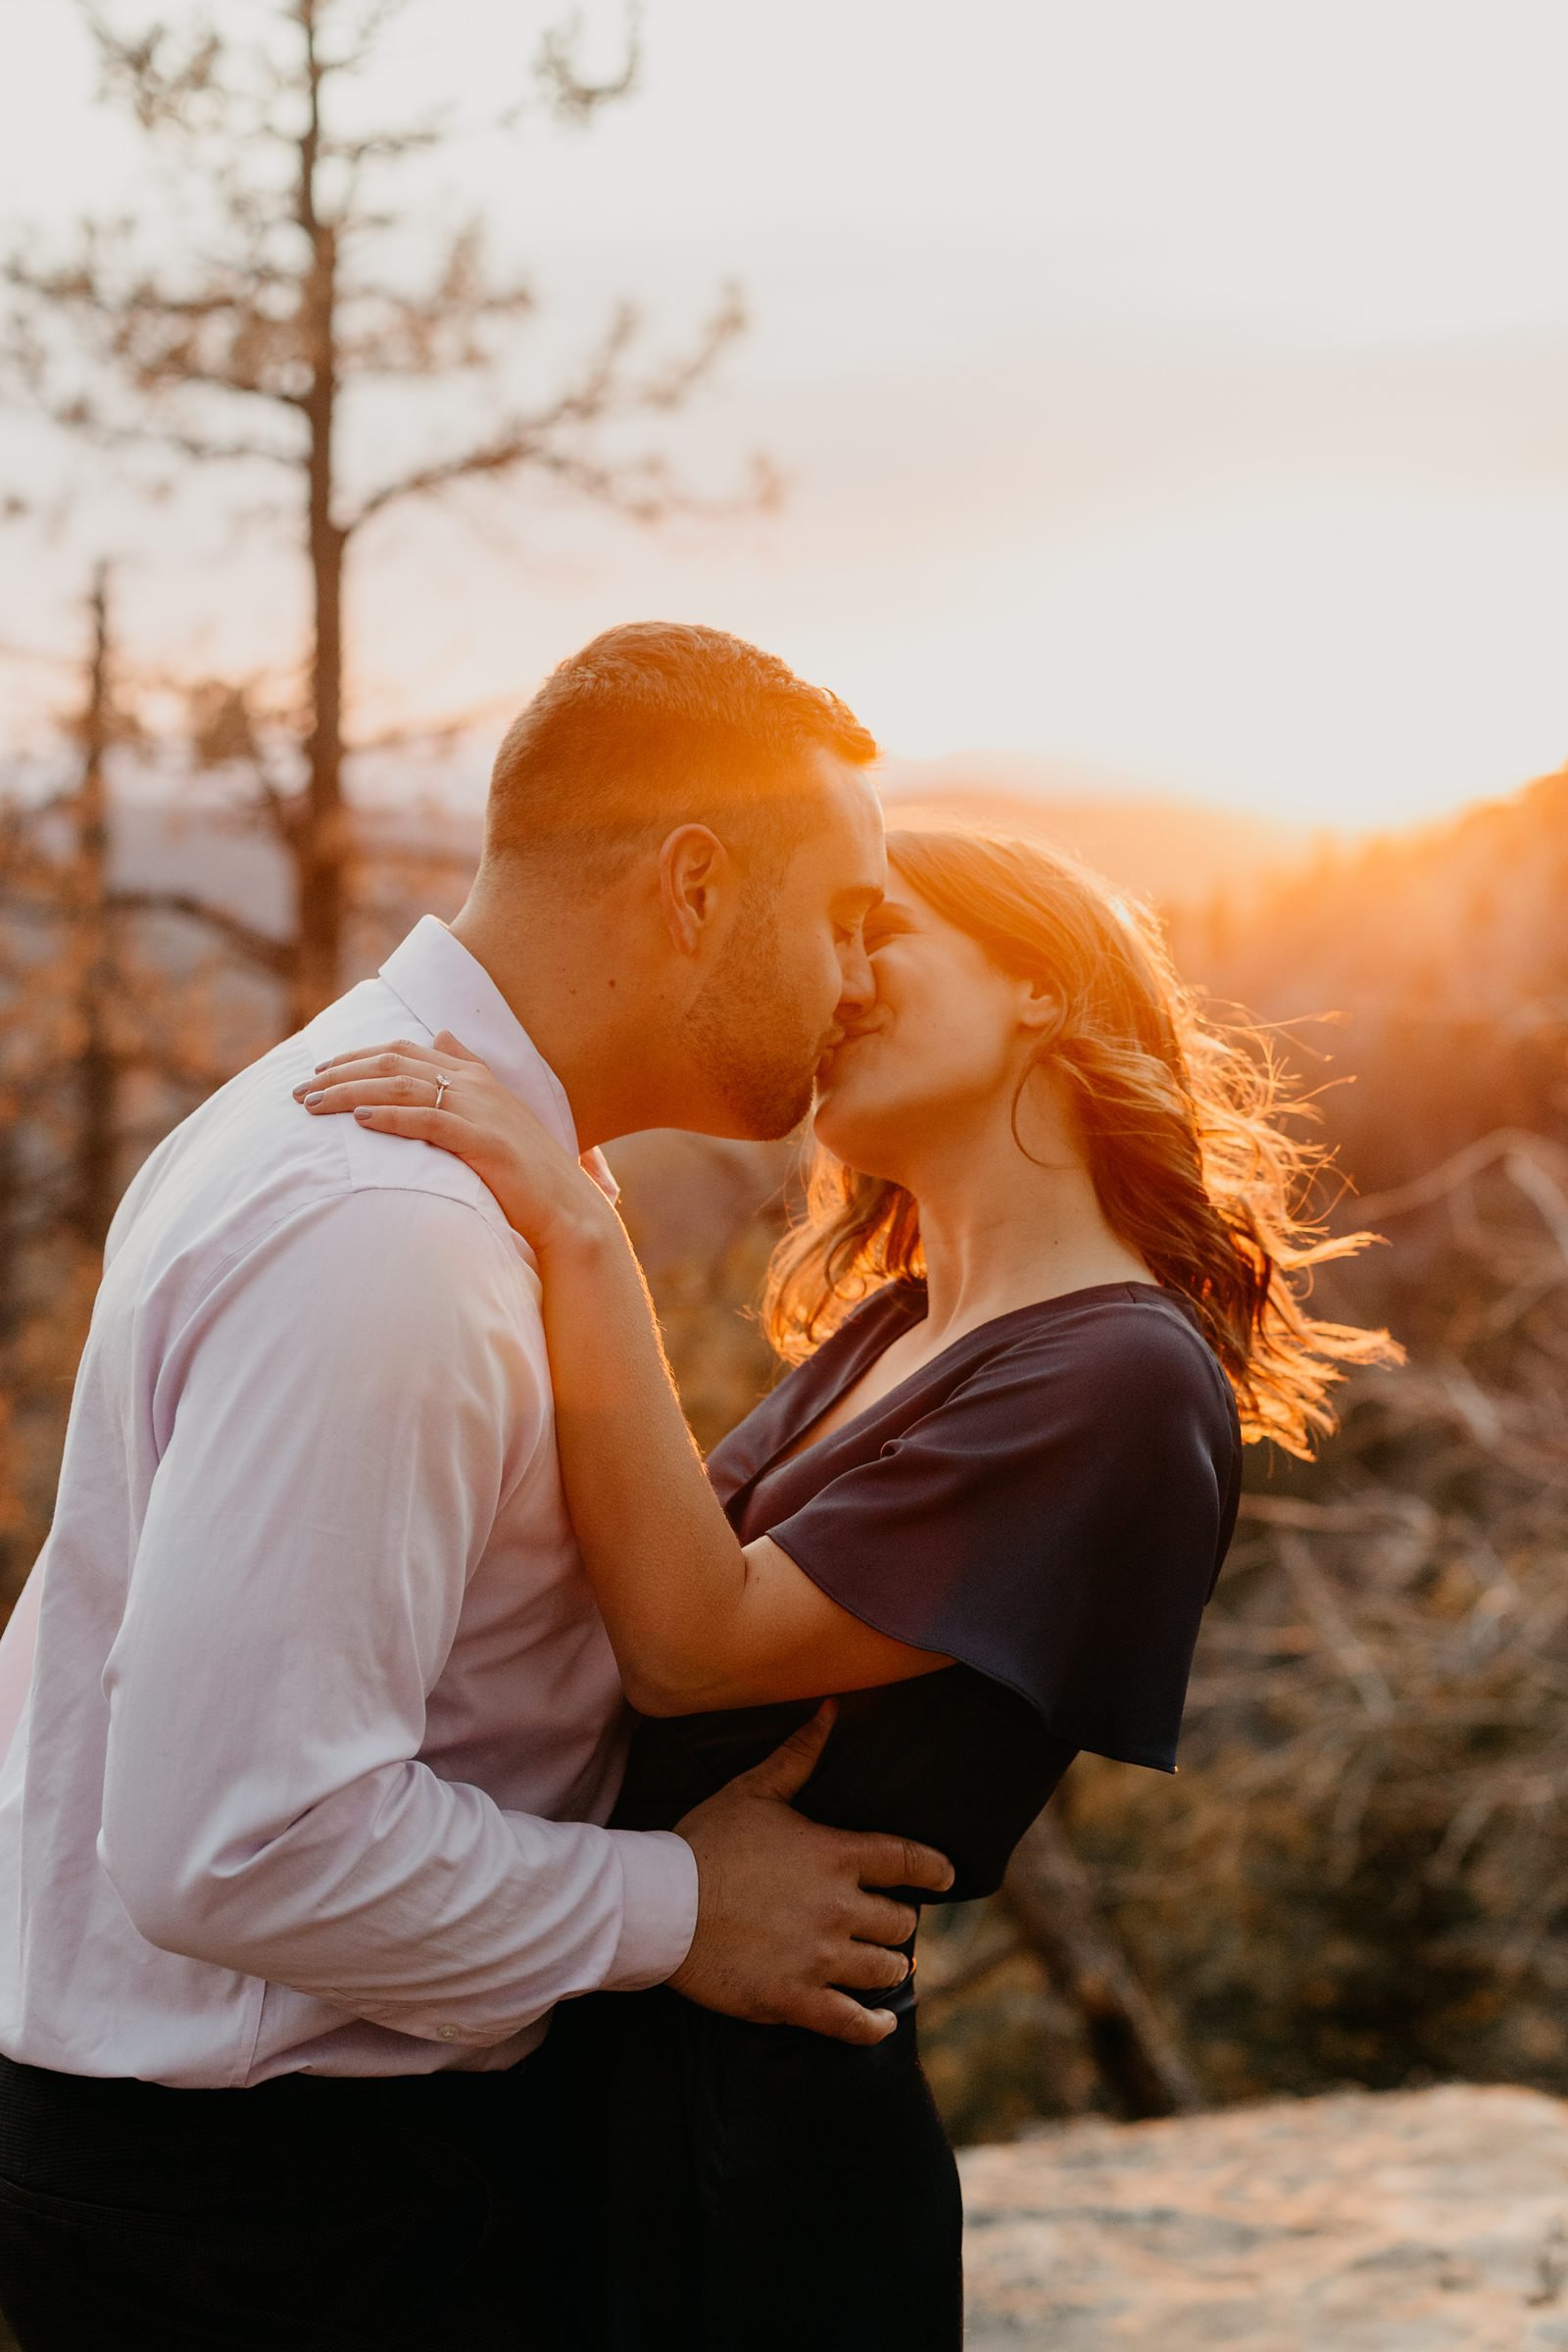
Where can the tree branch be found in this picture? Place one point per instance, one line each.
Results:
(78, 415)
(642, 488)
(389, 331)
(573, 95)
(1507, 1145)
(163, 82)
(259, 948)
(1054, 1900)
(162, 342)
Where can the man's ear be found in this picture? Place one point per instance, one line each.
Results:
(693, 868)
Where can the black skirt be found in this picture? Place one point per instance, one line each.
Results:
(734, 2187)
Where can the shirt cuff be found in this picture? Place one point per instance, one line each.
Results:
(658, 1912)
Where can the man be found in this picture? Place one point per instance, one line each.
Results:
(298, 1833)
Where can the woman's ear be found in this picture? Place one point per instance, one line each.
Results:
(692, 863)
(1040, 1007)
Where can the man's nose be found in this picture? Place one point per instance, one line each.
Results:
(858, 991)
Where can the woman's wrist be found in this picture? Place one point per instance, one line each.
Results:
(583, 1225)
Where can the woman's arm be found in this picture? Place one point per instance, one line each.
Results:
(696, 1619)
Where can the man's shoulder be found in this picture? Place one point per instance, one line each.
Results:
(375, 1164)
(251, 1162)
(353, 1158)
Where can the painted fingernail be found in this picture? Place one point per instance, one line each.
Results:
(319, 1096)
(365, 1114)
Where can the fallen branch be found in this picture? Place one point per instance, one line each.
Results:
(1052, 1897)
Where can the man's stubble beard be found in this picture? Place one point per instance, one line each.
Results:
(749, 1036)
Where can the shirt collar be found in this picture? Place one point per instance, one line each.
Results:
(444, 987)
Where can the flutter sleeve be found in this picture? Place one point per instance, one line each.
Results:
(1057, 1522)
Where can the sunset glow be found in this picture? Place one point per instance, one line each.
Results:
(1176, 395)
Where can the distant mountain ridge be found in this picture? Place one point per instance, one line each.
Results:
(167, 845)
(1441, 955)
(1470, 912)
(1173, 850)
(1469, 915)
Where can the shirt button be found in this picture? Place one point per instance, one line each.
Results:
(447, 2033)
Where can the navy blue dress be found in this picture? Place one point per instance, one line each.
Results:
(1047, 1503)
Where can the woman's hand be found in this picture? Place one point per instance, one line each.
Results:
(441, 1093)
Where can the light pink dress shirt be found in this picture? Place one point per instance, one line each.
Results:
(317, 1715)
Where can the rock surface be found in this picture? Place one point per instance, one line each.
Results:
(1412, 2221)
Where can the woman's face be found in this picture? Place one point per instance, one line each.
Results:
(936, 1054)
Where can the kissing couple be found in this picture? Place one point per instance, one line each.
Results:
(372, 1974)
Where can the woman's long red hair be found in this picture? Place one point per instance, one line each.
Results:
(1181, 1130)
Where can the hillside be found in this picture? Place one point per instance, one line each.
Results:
(167, 845)
(1437, 954)
(1176, 852)
(1441, 957)
(1467, 917)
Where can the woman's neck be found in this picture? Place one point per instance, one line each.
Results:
(1002, 1230)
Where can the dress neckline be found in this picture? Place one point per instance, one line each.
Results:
(909, 1294)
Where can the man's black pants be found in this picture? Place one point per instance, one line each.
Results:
(407, 2215)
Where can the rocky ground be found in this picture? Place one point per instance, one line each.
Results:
(1419, 2222)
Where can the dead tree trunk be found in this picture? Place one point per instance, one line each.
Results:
(318, 841)
(1052, 1897)
(95, 1140)
(10, 1240)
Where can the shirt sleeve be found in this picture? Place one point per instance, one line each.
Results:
(341, 1420)
(1057, 1522)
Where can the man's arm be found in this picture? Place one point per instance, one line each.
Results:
(343, 1418)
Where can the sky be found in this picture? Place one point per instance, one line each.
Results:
(1176, 393)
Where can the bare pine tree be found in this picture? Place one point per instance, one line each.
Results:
(61, 1065)
(118, 1013)
(289, 295)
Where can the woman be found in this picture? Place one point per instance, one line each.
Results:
(1051, 1276)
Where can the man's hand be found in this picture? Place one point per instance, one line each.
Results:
(783, 1911)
